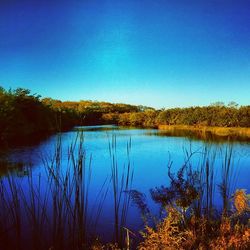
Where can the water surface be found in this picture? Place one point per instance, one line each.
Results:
(150, 153)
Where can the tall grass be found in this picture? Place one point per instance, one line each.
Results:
(121, 179)
(48, 211)
(214, 171)
(51, 209)
(194, 188)
(193, 219)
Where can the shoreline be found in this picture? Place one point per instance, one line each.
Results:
(218, 131)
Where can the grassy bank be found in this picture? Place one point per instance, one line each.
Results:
(205, 131)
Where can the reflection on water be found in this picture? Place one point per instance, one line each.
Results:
(149, 156)
(97, 128)
(206, 136)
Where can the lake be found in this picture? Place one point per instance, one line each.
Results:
(147, 152)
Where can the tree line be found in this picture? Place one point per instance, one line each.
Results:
(23, 114)
(213, 115)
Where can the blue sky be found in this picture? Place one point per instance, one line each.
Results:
(160, 53)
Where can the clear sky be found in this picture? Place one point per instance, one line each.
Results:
(160, 53)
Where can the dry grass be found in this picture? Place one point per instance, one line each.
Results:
(97, 245)
(241, 201)
(201, 233)
(231, 236)
(219, 131)
(168, 234)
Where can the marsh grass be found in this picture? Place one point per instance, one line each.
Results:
(121, 179)
(207, 132)
(193, 220)
(51, 210)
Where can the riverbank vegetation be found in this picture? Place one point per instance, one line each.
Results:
(191, 232)
(213, 116)
(24, 115)
(54, 210)
(51, 210)
(206, 132)
(190, 217)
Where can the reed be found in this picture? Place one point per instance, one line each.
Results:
(195, 221)
(51, 209)
(121, 179)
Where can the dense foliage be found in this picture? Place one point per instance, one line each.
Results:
(23, 114)
(213, 115)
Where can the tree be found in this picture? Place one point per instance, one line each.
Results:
(233, 104)
(217, 104)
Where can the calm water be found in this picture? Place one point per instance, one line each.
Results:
(150, 154)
